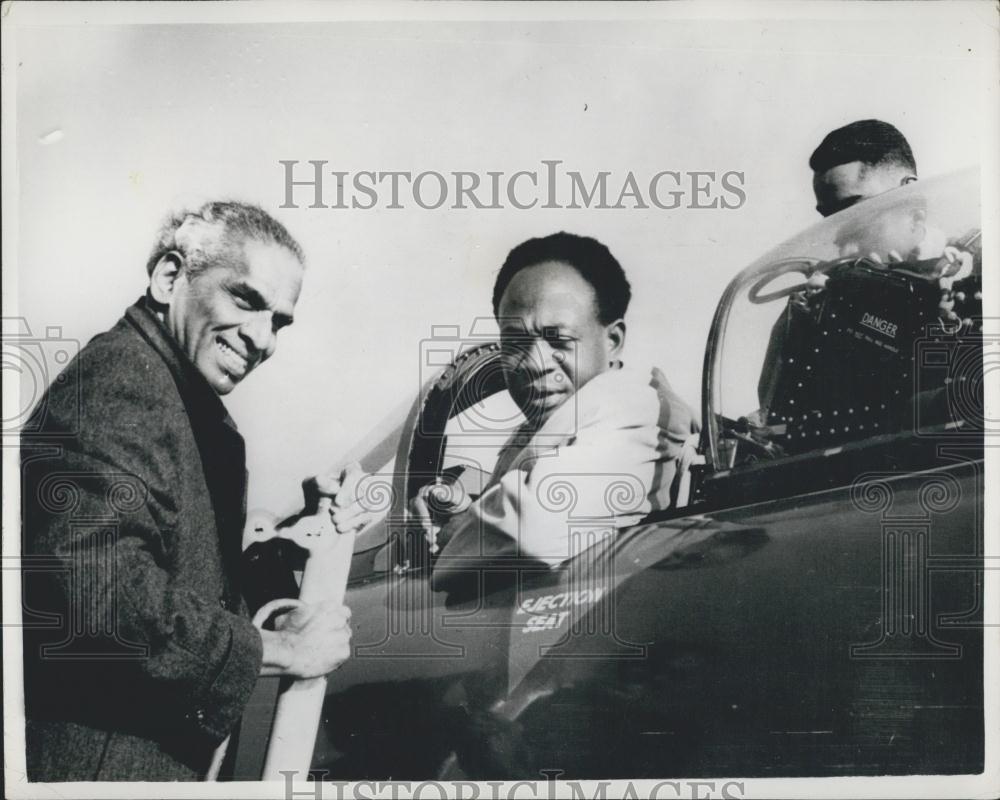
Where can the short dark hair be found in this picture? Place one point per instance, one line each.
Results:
(235, 222)
(869, 141)
(587, 256)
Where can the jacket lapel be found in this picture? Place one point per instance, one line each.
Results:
(220, 445)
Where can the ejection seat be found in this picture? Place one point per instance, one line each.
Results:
(877, 350)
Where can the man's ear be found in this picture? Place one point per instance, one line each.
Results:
(164, 277)
(907, 179)
(616, 338)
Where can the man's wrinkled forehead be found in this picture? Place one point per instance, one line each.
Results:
(551, 290)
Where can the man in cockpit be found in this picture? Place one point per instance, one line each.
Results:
(603, 435)
(856, 162)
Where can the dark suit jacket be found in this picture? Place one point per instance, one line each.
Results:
(139, 656)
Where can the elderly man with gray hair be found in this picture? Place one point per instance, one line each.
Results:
(134, 492)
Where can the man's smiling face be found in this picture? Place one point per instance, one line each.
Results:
(226, 317)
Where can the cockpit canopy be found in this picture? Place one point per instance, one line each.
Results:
(868, 324)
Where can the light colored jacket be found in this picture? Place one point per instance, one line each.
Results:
(603, 460)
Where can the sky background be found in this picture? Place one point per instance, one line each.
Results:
(118, 124)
